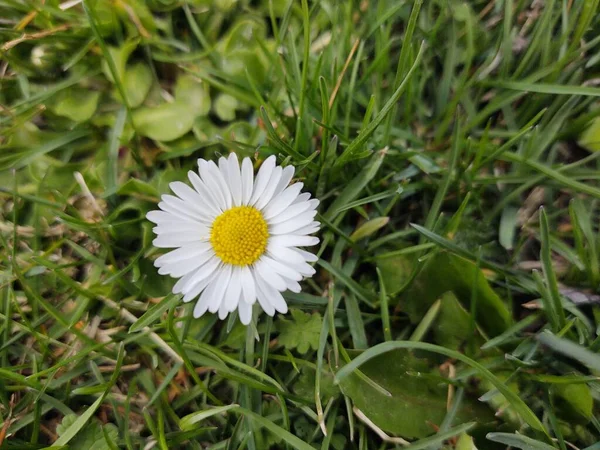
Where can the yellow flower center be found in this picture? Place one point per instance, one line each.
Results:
(239, 235)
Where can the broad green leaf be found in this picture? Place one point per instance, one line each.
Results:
(465, 442)
(225, 106)
(369, 227)
(590, 138)
(447, 272)
(194, 93)
(382, 349)
(395, 271)
(76, 104)
(453, 324)
(137, 82)
(302, 332)
(305, 386)
(416, 403)
(92, 436)
(134, 187)
(166, 122)
(577, 399)
(119, 55)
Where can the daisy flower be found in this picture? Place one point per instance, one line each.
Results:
(236, 237)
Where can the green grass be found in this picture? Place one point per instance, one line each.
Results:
(456, 300)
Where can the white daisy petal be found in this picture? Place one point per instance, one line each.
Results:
(222, 181)
(292, 212)
(284, 254)
(163, 217)
(192, 199)
(282, 269)
(262, 178)
(296, 223)
(210, 200)
(247, 180)
(197, 290)
(290, 240)
(235, 179)
(245, 312)
(286, 176)
(303, 198)
(222, 280)
(180, 268)
(181, 227)
(292, 285)
(178, 208)
(262, 298)
(282, 201)
(212, 183)
(248, 285)
(177, 240)
(234, 290)
(265, 273)
(189, 251)
(202, 304)
(309, 257)
(269, 191)
(274, 297)
(205, 271)
(311, 228)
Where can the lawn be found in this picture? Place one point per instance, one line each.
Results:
(453, 147)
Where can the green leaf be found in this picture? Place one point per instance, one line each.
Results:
(76, 104)
(302, 332)
(447, 272)
(453, 324)
(518, 441)
(369, 227)
(192, 92)
(571, 350)
(577, 399)
(135, 187)
(381, 349)
(465, 442)
(154, 313)
(75, 427)
(119, 55)
(137, 81)
(225, 106)
(91, 437)
(166, 122)
(187, 422)
(590, 138)
(416, 402)
(395, 271)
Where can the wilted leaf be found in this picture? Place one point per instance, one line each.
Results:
(166, 122)
(302, 332)
(369, 227)
(417, 403)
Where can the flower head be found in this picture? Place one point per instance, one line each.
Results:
(236, 236)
